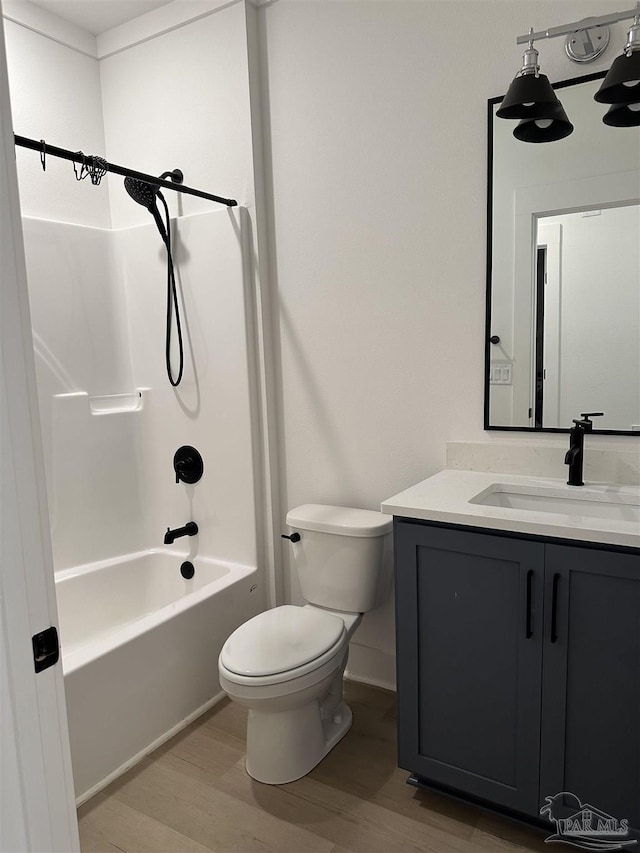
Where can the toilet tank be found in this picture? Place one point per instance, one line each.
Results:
(344, 556)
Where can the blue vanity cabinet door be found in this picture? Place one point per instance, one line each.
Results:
(591, 681)
(469, 653)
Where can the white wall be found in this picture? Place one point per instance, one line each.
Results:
(377, 145)
(55, 95)
(189, 108)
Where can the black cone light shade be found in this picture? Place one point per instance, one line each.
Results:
(529, 96)
(623, 115)
(548, 129)
(531, 99)
(622, 83)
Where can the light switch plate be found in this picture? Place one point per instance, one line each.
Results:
(500, 373)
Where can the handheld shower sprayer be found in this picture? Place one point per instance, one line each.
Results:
(147, 195)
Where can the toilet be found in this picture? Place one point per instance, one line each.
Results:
(286, 664)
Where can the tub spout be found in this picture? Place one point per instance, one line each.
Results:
(190, 529)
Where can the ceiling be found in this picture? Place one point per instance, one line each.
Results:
(96, 16)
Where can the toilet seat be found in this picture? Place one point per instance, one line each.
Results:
(282, 644)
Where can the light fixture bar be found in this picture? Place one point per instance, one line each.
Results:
(578, 26)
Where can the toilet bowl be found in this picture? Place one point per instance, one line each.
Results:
(296, 712)
(286, 665)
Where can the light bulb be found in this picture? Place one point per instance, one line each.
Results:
(543, 123)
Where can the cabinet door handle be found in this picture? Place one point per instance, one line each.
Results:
(554, 608)
(529, 621)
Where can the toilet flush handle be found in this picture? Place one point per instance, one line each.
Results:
(295, 537)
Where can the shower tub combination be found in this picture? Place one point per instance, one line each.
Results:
(140, 646)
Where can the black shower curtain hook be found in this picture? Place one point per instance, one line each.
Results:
(84, 171)
(43, 155)
(97, 169)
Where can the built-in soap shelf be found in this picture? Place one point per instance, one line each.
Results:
(110, 404)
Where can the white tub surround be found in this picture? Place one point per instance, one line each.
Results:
(453, 497)
(140, 645)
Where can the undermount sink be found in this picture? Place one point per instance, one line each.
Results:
(575, 502)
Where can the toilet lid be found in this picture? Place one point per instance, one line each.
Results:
(280, 639)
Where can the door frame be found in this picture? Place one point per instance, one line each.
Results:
(33, 716)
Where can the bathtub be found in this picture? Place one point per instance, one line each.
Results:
(140, 646)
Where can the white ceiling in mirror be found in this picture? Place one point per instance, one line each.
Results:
(97, 16)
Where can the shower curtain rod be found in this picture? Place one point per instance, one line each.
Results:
(78, 157)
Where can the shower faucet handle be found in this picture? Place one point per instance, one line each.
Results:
(181, 467)
(188, 464)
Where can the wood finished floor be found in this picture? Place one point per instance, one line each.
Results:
(193, 795)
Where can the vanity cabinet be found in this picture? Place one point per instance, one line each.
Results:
(518, 668)
(590, 743)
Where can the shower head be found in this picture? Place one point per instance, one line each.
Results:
(147, 194)
(142, 192)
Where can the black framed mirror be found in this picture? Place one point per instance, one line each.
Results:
(563, 272)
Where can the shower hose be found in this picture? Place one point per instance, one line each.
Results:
(172, 304)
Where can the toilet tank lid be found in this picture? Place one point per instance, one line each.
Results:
(340, 519)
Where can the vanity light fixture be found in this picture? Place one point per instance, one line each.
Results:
(621, 86)
(531, 98)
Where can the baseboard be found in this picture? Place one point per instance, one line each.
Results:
(371, 666)
(136, 759)
(370, 682)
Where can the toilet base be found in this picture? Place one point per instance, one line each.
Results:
(284, 746)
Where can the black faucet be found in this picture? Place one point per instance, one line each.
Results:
(190, 529)
(575, 454)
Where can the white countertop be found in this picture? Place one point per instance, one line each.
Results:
(446, 497)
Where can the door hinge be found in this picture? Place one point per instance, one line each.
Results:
(46, 649)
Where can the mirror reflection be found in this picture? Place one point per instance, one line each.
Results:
(564, 275)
